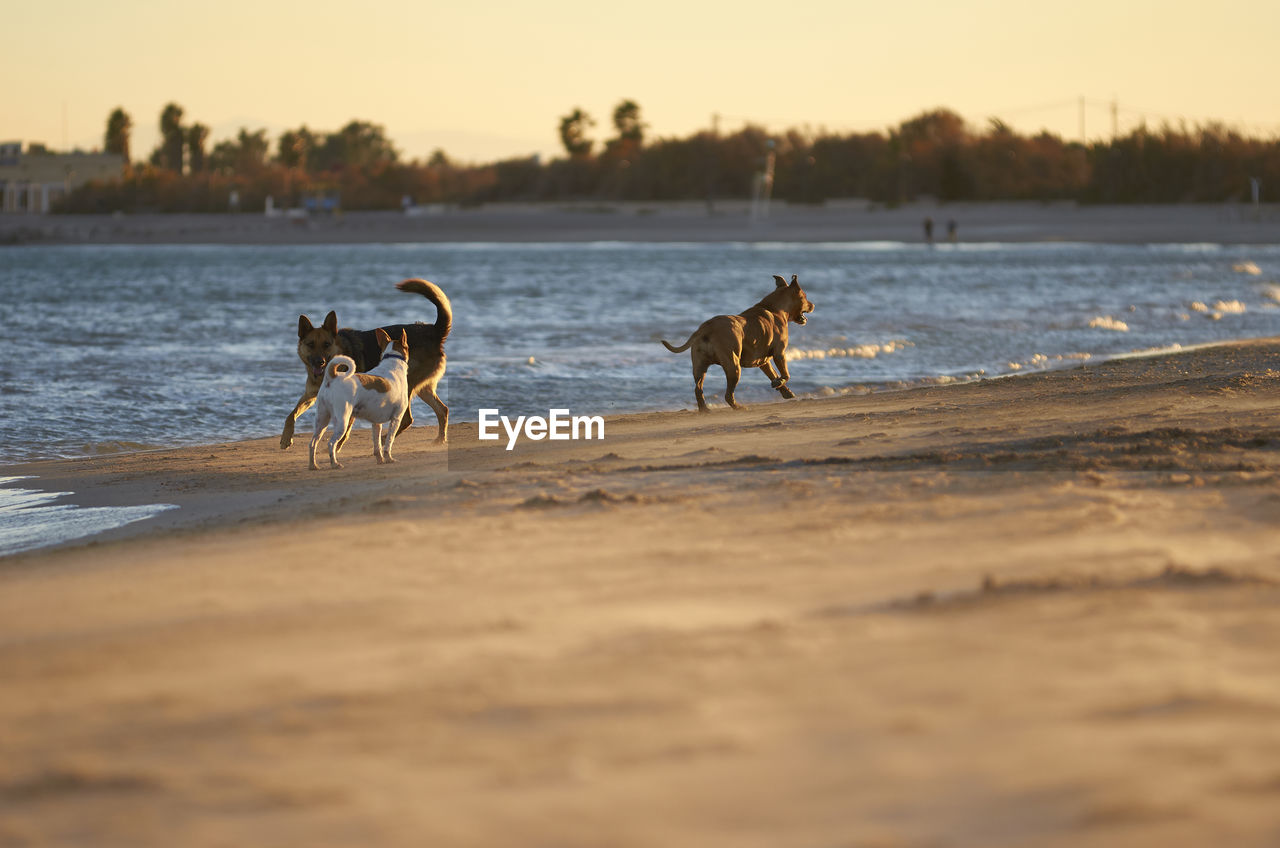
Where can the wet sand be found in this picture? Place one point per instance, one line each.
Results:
(837, 221)
(1039, 610)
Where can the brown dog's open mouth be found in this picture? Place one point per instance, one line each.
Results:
(802, 319)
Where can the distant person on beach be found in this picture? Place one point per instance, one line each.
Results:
(952, 236)
(928, 230)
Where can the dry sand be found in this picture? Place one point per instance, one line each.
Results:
(837, 221)
(1029, 611)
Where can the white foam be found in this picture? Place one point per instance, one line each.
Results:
(1250, 268)
(1108, 322)
(1043, 360)
(865, 351)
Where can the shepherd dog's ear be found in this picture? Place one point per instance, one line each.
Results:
(331, 322)
(304, 326)
(781, 282)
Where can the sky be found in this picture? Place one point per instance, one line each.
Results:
(490, 80)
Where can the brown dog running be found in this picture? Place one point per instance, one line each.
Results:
(318, 345)
(748, 340)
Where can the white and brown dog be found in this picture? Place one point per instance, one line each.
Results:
(380, 397)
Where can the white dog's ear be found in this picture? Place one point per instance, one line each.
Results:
(781, 282)
(382, 337)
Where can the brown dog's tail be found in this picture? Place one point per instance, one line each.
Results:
(433, 293)
(680, 349)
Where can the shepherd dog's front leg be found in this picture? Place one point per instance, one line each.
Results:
(304, 403)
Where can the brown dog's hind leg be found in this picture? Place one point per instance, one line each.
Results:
(732, 374)
(428, 394)
(700, 374)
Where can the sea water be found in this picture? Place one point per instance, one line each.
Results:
(32, 519)
(115, 348)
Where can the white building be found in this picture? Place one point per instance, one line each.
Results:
(30, 182)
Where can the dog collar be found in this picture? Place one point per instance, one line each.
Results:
(394, 355)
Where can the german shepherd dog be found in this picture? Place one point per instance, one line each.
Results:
(748, 340)
(318, 345)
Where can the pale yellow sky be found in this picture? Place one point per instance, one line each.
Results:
(489, 80)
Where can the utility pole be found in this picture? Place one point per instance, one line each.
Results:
(1115, 119)
(1082, 139)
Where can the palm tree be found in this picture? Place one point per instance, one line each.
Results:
(626, 120)
(573, 134)
(119, 125)
(173, 139)
(197, 135)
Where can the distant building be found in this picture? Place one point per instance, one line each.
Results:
(30, 182)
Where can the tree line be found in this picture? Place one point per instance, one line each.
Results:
(935, 154)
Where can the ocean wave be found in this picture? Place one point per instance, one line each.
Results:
(865, 351)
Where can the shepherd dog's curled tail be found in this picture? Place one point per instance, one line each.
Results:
(339, 367)
(682, 347)
(433, 293)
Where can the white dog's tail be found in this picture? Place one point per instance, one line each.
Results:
(339, 367)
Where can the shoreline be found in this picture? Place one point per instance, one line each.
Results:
(27, 472)
(688, 222)
(1033, 611)
(863, 390)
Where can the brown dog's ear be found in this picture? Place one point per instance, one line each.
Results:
(781, 282)
(331, 322)
(795, 280)
(382, 337)
(304, 326)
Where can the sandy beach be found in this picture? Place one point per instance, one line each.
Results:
(1029, 611)
(724, 220)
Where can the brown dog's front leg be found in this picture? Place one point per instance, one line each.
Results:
(304, 403)
(781, 382)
